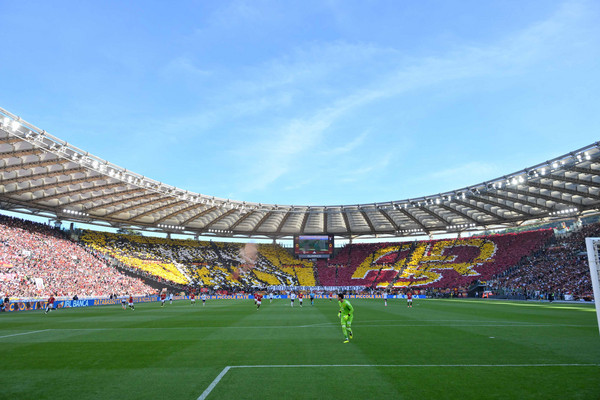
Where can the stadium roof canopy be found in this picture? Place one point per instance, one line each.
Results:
(43, 175)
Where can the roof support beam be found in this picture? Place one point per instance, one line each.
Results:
(262, 220)
(220, 217)
(414, 219)
(81, 191)
(517, 200)
(540, 196)
(304, 220)
(32, 164)
(56, 185)
(199, 215)
(346, 221)
(481, 209)
(21, 153)
(501, 205)
(124, 201)
(240, 220)
(588, 171)
(459, 213)
(174, 214)
(135, 207)
(158, 209)
(368, 221)
(390, 219)
(10, 140)
(104, 196)
(35, 177)
(576, 181)
(283, 221)
(435, 215)
(563, 190)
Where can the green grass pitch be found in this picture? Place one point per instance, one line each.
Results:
(439, 349)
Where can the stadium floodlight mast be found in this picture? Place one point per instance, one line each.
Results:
(593, 250)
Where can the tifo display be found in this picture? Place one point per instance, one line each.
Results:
(37, 260)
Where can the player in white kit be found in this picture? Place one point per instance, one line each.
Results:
(292, 298)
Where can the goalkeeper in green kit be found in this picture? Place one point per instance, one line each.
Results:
(346, 316)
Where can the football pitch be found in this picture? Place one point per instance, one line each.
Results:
(439, 349)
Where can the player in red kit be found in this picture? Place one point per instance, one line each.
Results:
(163, 297)
(258, 299)
(409, 299)
(50, 304)
(131, 302)
(192, 299)
(300, 297)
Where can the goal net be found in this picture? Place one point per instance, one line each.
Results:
(593, 250)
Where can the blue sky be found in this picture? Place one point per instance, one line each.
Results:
(308, 102)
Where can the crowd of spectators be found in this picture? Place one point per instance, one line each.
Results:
(37, 260)
(558, 271)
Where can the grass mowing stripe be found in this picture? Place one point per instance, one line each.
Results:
(322, 325)
(412, 365)
(24, 333)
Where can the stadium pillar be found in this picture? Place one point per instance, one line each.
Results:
(593, 251)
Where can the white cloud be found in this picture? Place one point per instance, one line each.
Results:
(365, 168)
(185, 66)
(286, 83)
(348, 146)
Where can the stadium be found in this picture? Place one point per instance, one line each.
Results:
(116, 284)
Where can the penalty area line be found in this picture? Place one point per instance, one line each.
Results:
(24, 333)
(216, 381)
(213, 383)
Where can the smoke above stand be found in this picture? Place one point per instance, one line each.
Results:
(249, 255)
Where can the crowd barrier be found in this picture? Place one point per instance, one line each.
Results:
(35, 304)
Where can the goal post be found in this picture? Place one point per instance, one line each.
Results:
(593, 251)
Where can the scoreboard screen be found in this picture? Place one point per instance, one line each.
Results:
(313, 246)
